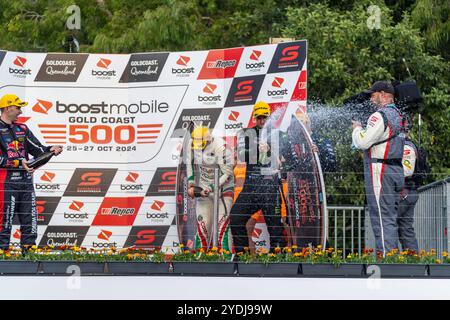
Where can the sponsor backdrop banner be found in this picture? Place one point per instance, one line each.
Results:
(119, 119)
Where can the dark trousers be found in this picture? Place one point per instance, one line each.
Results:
(257, 194)
(17, 197)
(405, 220)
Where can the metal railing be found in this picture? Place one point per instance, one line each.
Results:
(350, 228)
(346, 228)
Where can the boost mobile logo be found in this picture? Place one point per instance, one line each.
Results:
(185, 71)
(157, 206)
(21, 72)
(42, 106)
(104, 73)
(209, 89)
(255, 55)
(234, 115)
(277, 83)
(76, 206)
(132, 177)
(104, 235)
(47, 177)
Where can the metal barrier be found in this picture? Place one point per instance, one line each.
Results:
(350, 229)
(346, 228)
(431, 218)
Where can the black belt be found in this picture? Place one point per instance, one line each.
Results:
(392, 162)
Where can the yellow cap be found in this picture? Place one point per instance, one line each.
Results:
(261, 108)
(200, 136)
(10, 100)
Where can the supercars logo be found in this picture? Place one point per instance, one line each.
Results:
(141, 236)
(76, 205)
(45, 207)
(145, 237)
(277, 82)
(103, 63)
(289, 56)
(163, 182)
(132, 177)
(20, 61)
(209, 88)
(244, 91)
(48, 176)
(104, 235)
(90, 182)
(157, 205)
(42, 106)
(244, 87)
(183, 61)
(90, 179)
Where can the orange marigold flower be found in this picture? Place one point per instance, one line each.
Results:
(277, 250)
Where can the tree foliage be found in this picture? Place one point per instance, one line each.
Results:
(345, 55)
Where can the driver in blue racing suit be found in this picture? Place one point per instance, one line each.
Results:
(16, 181)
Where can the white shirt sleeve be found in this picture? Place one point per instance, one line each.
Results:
(364, 138)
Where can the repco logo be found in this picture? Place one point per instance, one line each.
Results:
(234, 115)
(21, 72)
(255, 57)
(104, 65)
(47, 177)
(209, 89)
(132, 177)
(277, 83)
(183, 72)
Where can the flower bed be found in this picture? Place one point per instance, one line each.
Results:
(290, 261)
